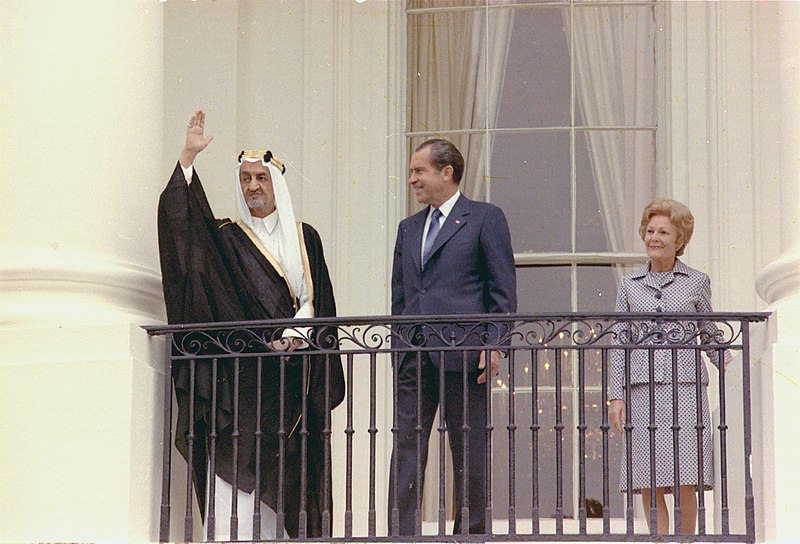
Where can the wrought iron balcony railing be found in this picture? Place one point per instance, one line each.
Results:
(552, 458)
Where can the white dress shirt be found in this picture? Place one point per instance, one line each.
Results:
(445, 208)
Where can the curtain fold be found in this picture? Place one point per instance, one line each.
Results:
(614, 51)
(456, 69)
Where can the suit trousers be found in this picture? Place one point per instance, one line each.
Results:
(410, 454)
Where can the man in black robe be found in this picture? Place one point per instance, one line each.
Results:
(264, 266)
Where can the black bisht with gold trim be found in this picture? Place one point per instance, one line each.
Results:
(213, 272)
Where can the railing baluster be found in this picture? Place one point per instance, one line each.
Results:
(441, 430)
(488, 453)
(723, 446)
(628, 447)
(211, 521)
(651, 429)
(234, 534)
(581, 442)
(700, 427)
(465, 431)
(749, 499)
(302, 530)
(257, 435)
(559, 428)
(535, 441)
(166, 460)
(394, 525)
(676, 444)
(349, 432)
(418, 461)
(604, 428)
(280, 520)
(326, 447)
(512, 448)
(373, 431)
(188, 522)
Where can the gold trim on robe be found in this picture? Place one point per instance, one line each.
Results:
(306, 269)
(272, 260)
(306, 278)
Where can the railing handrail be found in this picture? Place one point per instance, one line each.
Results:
(751, 317)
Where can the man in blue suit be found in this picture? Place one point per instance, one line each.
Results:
(453, 257)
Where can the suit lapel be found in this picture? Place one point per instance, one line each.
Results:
(417, 227)
(457, 219)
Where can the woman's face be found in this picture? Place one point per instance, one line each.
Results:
(661, 239)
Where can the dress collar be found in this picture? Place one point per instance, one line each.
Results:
(678, 268)
(269, 222)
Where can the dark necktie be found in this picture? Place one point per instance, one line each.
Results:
(433, 230)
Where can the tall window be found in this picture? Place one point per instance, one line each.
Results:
(553, 105)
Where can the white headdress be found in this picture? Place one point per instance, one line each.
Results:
(292, 263)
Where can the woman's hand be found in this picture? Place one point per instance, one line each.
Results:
(616, 414)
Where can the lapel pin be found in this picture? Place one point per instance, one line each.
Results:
(458, 221)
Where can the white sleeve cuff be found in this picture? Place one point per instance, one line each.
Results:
(300, 333)
(188, 172)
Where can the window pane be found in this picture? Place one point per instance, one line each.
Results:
(543, 289)
(530, 180)
(597, 287)
(615, 179)
(590, 226)
(535, 85)
(444, 84)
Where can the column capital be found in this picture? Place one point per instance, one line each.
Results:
(780, 279)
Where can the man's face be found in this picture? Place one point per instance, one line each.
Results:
(256, 183)
(431, 186)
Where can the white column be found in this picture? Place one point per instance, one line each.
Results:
(80, 145)
(778, 283)
(781, 279)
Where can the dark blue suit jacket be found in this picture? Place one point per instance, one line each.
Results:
(470, 271)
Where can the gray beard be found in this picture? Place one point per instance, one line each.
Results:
(255, 203)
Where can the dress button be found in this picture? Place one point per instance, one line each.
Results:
(422, 291)
(659, 309)
(658, 294)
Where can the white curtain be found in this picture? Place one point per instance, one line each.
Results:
(455, 81)
(614, 52)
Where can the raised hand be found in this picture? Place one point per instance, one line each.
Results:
(196, 140)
